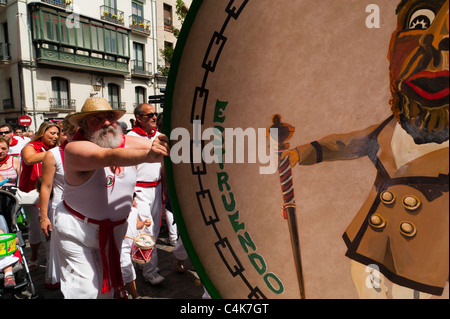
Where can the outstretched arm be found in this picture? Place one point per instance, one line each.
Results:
(84, 157)
(332, 148)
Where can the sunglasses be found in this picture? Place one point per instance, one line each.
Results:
(150, 114)
(5, 132)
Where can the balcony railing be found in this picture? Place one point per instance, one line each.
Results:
(141, 68)
(118, 105)
(4, 52)
(139, 24)
(57, 104)
(111, 15)
(8, 104)
(59, 3)
(167, 24)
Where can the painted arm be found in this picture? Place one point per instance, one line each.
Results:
(332, 148)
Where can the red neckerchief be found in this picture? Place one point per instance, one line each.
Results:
(5, 160)
(141, 132)
(13, 141)
(39, 146)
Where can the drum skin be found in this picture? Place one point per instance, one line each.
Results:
(141, 253)
(320, 66)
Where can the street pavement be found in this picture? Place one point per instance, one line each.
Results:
(175, 286)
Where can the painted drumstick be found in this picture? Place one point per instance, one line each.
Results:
(283, 133)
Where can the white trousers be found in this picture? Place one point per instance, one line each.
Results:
(173, 230)
(79, 255)
(126, 264)
(148, 204)
(179, 252)
(52, 276)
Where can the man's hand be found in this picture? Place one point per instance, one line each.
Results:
(160, 147)
(293, 156)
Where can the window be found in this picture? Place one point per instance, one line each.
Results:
(168, 47)
(113, 95)
(139, 95)
(167, 16)
(137, 12)
(91, 35)
(60, 92)
(138, 56)
(121, 44)
(9, 103)
(111, 3)
(137, 9)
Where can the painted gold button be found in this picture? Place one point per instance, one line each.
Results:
(377, 221)
(408, 229)
(411, 202)
(387, 197)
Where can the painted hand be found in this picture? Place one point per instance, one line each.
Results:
(293, 156)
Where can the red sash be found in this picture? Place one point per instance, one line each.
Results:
(148, 184)
(112, 273)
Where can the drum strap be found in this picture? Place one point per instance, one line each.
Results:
(112, 273)
(148, 184)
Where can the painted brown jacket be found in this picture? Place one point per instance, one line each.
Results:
(403, 226)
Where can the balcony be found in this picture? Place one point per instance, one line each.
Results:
(62, 105)
(139, 25)
(111, 15)
(5, 57)
(88, 61)
(3, 3)
(141, 68)
(59, 3)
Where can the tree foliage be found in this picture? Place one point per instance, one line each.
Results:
(167, 52)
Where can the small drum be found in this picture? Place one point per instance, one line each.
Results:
(7, 244)
(142, 249)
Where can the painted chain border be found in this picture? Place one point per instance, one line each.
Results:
(181, 42)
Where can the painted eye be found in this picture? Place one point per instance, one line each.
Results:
(421, 19)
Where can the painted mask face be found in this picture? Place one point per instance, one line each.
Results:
(419, 69)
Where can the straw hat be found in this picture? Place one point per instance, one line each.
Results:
(94, 105)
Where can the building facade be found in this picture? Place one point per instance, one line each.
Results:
(56, 53)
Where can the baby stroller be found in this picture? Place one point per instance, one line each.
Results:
(9, 211)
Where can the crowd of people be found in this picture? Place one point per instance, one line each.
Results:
(88, 186)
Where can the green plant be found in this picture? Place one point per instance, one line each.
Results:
(167, 52)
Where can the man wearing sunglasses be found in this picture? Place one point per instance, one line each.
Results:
(149, 188)
(16, 143)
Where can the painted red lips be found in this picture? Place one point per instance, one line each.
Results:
(429, 85)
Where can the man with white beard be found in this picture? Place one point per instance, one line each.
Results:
(90, 223)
